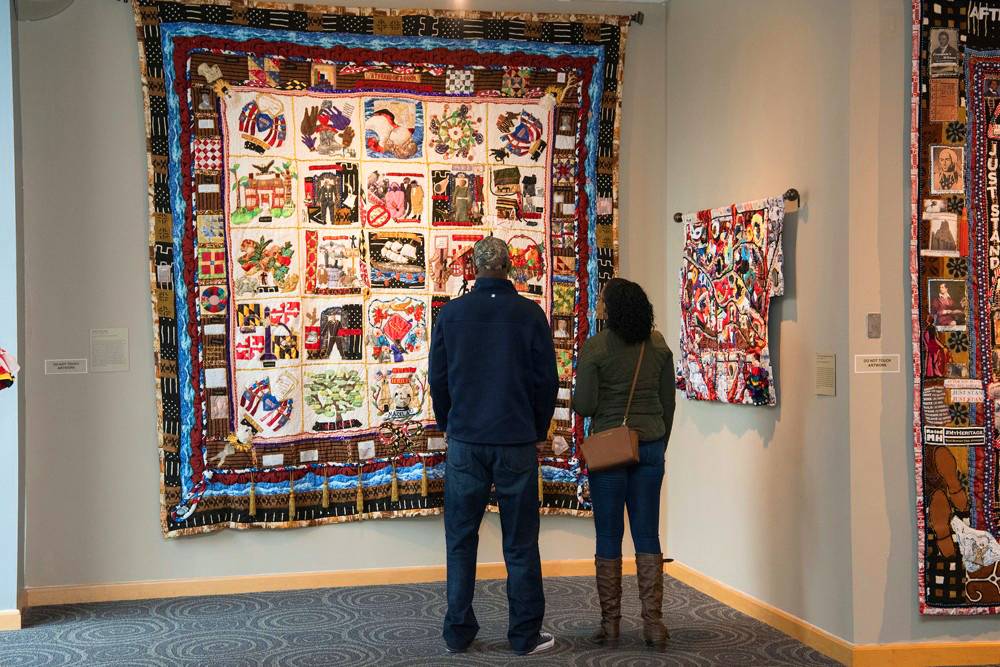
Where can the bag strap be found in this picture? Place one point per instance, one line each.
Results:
(635, 378)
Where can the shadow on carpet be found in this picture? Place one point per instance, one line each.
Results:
(384, 626)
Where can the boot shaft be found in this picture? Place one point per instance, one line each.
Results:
(609, 586)
(649, 572)
(609, 591)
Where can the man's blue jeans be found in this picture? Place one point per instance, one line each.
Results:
(471, 471)
(637, 489)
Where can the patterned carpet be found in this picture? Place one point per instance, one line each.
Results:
(383, 625)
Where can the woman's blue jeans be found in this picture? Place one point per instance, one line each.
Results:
(635, 488)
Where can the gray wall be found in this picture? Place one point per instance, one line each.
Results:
(10, 496)
(756, 103)
(811, 506)
(92, 469)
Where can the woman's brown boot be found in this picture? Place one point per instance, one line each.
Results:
(609, 590)
(649, 571)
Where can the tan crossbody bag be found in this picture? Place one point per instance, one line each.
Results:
(618, 446)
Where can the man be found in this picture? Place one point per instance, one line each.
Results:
(328, 196)
(493, 385)
(415, 196)
(948, 175)
(945, 52)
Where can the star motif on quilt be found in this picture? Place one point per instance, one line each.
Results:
(514, 81)
(493, 29)
(959, 413)
(257, 17)
(955, 203)
(459, 82)
(958, 341)
(955, 132)
(958, 267)
(564, 170)
(449, 28)
(172, 13)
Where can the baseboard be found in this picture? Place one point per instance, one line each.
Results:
(932, 654)
(916, 654)
(10, 619)
(826, 643)
(144, 590)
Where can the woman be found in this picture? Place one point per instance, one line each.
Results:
(604, 374)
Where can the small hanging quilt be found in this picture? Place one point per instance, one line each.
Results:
(8, 368)
(732, 267)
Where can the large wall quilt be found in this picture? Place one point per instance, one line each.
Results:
(955, 265)
(317, 179)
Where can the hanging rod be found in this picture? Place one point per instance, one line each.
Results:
(636, 18)
(791, 197)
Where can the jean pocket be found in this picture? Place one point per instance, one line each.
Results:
(653, 454)
(459, 457)
(518, 460)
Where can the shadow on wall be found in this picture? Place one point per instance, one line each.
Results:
(902, 547)
(785, 308)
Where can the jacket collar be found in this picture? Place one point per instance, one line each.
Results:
(494, 283)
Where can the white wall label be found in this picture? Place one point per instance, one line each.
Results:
(108, 350)
(826, 374)
(65, 366)
(876, 363)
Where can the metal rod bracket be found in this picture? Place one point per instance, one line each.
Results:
(792, 202)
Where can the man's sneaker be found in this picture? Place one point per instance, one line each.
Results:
(545, 642)
(455, 649)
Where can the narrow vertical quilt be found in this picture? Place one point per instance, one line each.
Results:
(955, 273)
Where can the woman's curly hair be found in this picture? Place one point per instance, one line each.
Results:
(629, 312)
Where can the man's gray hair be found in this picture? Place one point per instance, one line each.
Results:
(490, 254)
